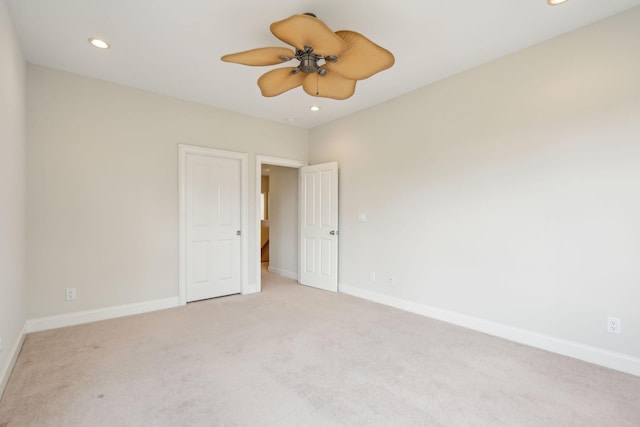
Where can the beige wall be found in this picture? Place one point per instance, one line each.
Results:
(283, 220)
(12, 190)
(103, 186)
(509, 193)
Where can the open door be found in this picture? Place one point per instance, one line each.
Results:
(319, 226)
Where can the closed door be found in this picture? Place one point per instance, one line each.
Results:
(213, 218)
(319, 226)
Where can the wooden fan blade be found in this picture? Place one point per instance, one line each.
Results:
(278, 81)
(303, 30)
(260, 56)
(331, 85)
(362, 59)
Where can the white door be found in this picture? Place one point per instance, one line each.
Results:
(319, 226)
(213, 219)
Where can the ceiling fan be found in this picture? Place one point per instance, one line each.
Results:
(330, 63)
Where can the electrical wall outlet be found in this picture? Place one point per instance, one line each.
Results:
(391, 281)
(71, 294)
(614, 325)
(372, 276)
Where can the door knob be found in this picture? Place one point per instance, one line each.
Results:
(333, 232)
(238, 233)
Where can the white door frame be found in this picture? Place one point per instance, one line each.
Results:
(183, 150)
(274, 161)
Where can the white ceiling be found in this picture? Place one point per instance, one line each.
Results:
(174, 47)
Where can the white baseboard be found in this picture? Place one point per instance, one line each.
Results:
(598, 356)
(79, 317)
(5, 373)
(283, 273)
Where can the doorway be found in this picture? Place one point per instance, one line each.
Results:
(279, 225)
(267, 162)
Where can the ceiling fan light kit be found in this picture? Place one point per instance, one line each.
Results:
(330, 63)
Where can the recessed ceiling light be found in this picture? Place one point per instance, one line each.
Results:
(99, 43)
(314, 108)
(555, 2)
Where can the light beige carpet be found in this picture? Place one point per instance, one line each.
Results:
(298, 356)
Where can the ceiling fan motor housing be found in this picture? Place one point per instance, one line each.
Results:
(308, 62)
